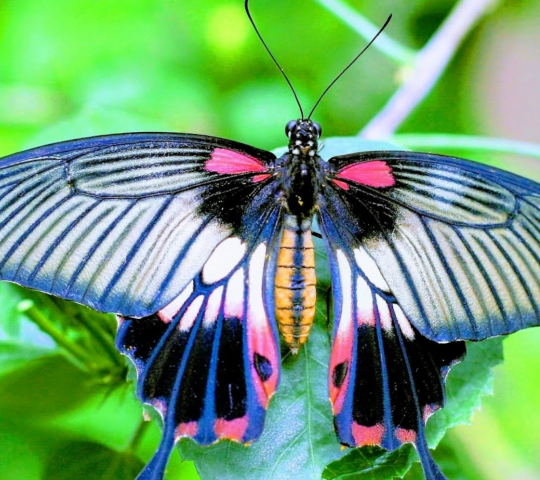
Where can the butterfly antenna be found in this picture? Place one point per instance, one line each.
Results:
(348, 66)
(246, 4)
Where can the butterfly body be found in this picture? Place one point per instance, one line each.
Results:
(299, 174)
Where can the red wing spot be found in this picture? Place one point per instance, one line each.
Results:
(188, 429)
(160, 406)
(261, 177)
(405, 436)
(343, 185)
(231, 162)
(231, 429)
(367, 435)
(373, 174)
(430, 410)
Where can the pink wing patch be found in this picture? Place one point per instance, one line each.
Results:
(229, 162)
(231, 429)
(188, 429)
(372, 174)
(367, 435)
(261, 343)
(405, 435)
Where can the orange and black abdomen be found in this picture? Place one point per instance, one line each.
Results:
(295, 292)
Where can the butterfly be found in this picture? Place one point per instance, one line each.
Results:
(204, 249)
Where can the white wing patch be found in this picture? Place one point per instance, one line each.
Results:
(345, 278)
(384, 314)
(403, 322)
(234, 298)
(167, 313)
(370, 269)
(191, 314)
(227, 255)
(364, 303)
(256, 310)
(213, 307)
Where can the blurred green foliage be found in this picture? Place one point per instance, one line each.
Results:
(78, 68)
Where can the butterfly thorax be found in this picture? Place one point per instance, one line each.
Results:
(299, 184)
(300, 177)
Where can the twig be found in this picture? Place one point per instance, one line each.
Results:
(77, 353)
(367, 30)
(430, 63)
(467, 142)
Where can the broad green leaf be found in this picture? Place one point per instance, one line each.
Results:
(371, 463)
(467, 383)
(11, 318)
(91, 461)
(298, 439)
(13, 354)
(44, 387)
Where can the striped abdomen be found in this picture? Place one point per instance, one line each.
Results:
(295, 283)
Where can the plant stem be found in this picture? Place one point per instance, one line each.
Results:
(137, 436)
(428, 67)
(467, 142)
(33, 313)
(102, 337)
(367, 30)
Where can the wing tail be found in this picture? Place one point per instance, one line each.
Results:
(431, 470)
(155, 469)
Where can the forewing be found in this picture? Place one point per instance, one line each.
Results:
(457, 242)
(209, 361)
(123, 223)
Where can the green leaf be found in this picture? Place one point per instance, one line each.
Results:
(91, 461)
(371, 463)
(11, 319)
(299, 439)
(467, 383)
(14, 354)
(333, 146)
(44, 387)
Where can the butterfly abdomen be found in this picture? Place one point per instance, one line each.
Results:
(295, 292)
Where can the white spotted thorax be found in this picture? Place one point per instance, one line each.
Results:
(303, 137)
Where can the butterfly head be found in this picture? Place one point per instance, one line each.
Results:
(303, 137)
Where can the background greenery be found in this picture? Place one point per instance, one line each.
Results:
(78, 68)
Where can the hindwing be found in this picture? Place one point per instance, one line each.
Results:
(209, 362)
(424, 250)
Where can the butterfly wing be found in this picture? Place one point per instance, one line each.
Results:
(209, 362)
(385, 378)
(177, 234)
(457, 242)
(427, 249)
(122, 223)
